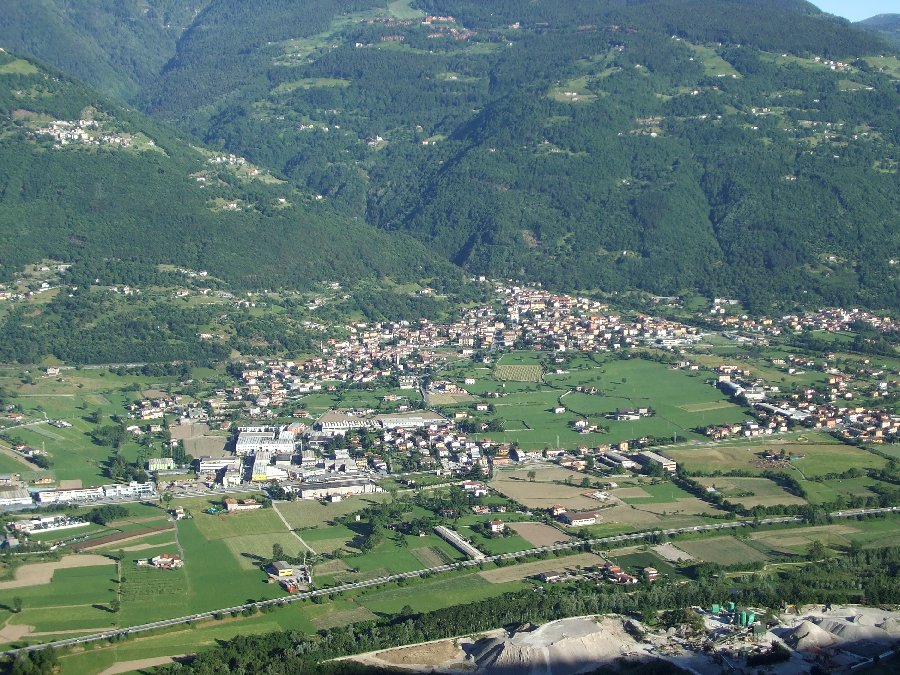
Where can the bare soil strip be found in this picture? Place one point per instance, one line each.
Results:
(139, 664)
(42, 573)
(122, 536)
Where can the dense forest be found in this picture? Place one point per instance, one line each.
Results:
(733, 148)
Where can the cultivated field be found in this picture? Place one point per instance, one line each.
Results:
(796, 540)
(439, 592)
(751, 492)
(538, 534)
(518, 373)
(336, 615)
(311, 513)
(722, 550)
(430, 557)
(821, 455)
(249, 548)
(543, 492)
(227, 525)
(449, 399)
(682, 401)
(42, 573)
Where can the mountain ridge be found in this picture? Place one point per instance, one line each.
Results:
(733, 148)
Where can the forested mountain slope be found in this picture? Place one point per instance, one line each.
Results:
(117, 46)
(888, 25)
(87, 181)
(747, 148)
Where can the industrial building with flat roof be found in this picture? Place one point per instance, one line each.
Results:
(341, 421)
(649, 457)
(349, 486)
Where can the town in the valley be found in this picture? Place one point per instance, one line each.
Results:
(535, 440)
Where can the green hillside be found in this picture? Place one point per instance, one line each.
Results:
(84, 181)
(743, 148)
(117, 46)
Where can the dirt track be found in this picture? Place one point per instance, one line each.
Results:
(140, 664)
(42, 573)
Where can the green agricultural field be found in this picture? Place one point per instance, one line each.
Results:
(430, 594)
(875, 532)
(12, 465)
(682, 403)
(329, 538)
(633, 563)
(250, 548)
(311, 513)
(341, 612)
(402, 9)
(208, 562)
(713, 64)
(661, 493)
(387, 558)
(18, 67)
(818, 492)
(73, 594)
(721, 550)
(150, 594)
(751, 492)
(225, 525)
(494, 545)
(796, 540)
(886, 64)
(181, 640)
(422, 596)
(890, 450)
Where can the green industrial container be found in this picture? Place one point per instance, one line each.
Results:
(730, 606)
(716, 609)
(743, 619)
(751, 618)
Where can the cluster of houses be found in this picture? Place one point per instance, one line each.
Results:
(726, 316)
(608, 572)
(409, 351)
(82, 132)
(154, 408)
(823, 407)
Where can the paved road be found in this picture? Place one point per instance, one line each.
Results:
(603, 541)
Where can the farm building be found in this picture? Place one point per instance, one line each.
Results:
(164, 561)
(280, 568)
(579, 518)
(233, 505)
